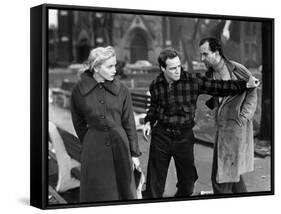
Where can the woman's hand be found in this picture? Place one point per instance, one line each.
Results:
(136, 162)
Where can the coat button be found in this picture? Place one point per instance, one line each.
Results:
(102, 116)
(100, 86)
(107, 143)
(101, 101)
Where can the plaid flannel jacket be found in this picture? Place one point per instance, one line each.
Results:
(174, 105)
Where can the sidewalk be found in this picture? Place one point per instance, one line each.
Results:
(256, 181)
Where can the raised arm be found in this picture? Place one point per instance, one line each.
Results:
(220, 87)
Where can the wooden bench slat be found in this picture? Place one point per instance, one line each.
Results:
(140, 102)
(139, 95)
(140, 105)
(61, 91)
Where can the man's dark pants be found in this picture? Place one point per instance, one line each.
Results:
(225, 188)
(164, 145)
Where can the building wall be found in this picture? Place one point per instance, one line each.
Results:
(65, 36)
(133, 32)
(142, 37)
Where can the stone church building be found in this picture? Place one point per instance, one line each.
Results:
(142, 37)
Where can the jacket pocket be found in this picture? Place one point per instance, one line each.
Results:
(242, 119)
(236, 121)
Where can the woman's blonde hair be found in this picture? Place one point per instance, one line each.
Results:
(99, 55)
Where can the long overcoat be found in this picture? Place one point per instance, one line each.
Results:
(234, 140)
(103, 119)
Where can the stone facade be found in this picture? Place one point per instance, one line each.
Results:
(142, 37)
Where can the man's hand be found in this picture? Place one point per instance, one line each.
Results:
(136, 162)
(146, 130)
(253, 82)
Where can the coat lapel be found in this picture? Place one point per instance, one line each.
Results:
(236, 74)
(88, 83)
(112, 86)
(231, 69)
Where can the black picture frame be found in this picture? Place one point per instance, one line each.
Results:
(40, 64)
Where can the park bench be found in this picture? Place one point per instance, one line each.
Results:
(64, 150)
(141, 103)
(61, 95)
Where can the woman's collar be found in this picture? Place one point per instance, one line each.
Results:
(88, 83)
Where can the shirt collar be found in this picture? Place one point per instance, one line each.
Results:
(88, 83)
(230, 66)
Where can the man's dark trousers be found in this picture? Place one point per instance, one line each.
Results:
(164, 145)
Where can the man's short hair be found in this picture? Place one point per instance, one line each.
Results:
(167, 53)
(214, 44)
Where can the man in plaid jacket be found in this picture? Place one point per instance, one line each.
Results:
(174, 93)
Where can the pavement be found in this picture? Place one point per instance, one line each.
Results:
(257, 181)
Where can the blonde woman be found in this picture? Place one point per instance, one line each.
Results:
(102, 116)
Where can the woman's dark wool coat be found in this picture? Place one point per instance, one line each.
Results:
(103, 119)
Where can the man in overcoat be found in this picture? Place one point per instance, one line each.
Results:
(234, 146)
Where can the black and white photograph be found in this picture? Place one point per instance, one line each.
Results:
(144, 106)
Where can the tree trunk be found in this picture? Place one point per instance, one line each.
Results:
(266, 131)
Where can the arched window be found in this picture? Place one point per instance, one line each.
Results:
(138, 46)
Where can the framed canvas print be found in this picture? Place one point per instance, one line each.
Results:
(133, 106)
